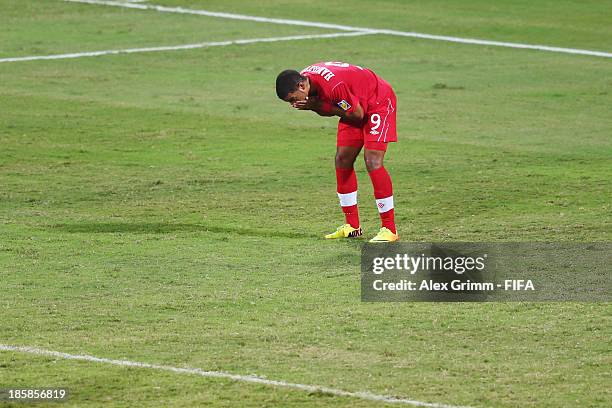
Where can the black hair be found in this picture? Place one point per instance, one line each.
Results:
(287, 82)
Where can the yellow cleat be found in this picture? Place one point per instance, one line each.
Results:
(385, 235)
(345, 231)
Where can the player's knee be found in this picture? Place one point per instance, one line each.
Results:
(344, 160)
(373, 162)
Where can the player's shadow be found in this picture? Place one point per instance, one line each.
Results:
(165, 228)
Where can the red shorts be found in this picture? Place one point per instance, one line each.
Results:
(378, 129)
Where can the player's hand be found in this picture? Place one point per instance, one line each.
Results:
(310, 103)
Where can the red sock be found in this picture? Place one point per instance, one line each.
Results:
(383, 192)
(347, 192)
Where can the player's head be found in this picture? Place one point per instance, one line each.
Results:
(291, 86)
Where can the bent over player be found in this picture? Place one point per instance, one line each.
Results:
(366, 106)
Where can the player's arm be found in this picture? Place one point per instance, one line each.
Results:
(343, 103)
(324, 108)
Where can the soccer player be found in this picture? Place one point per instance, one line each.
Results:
(366, 106)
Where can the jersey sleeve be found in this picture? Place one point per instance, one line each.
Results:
(342, 97)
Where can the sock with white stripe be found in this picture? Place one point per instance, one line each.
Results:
(383, 192)
(347, 193)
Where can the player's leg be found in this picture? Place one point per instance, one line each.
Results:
(348, 147)
(347, 182)
(383, 189)
(379, 130)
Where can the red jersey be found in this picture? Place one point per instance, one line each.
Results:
(346, 85)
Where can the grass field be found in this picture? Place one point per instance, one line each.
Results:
(167, 208)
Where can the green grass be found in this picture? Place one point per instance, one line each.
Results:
(167, 208)
(563, 23)
(49, 27)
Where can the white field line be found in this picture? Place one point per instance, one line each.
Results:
(224, 375)
(181, 47)
(207, 13)
(344, 27)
